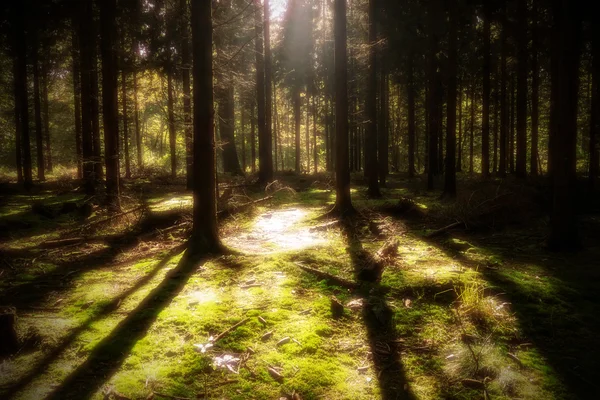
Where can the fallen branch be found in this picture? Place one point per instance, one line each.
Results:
(242, 207)
(445, 229)
(49, 244)
(325, 226)
(226, 331)
(111, 217)
(336, 280)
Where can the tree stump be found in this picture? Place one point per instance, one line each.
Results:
(9, 342)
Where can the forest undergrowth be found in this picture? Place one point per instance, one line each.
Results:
(467, 302)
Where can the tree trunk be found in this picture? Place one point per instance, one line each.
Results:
(37, 106)
(511, 143)
(205, 237)
(95, 104)
(187, 92)
(522, 72)
(563, 221)
(276, 148)
(266, 164)
(315, 152)
(231, 163)
(434, 95)
(260, 95)
(371, 107)
(485, 124)
(297, 121)
(76, 96)
(343, 201)
(243, 131)
(594, 167)
(535, 97)
(86, 43)
(411, 115)
(171, 123)
(108, 11)
(252, 137)
(503, 97)
(496, 119)
(383, 129)
(46, 116)
(472, 133)
(460, 130)
(125, 120)
(450, 173)
(307, 133)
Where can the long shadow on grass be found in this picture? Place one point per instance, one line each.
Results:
(111, 352)
(102, 312)
(563, 324)
(377, 317)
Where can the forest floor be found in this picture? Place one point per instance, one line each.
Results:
(112, 307)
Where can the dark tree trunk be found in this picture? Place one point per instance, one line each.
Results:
(46, 116)
(496, 119)
(434, 95)
(231, 163)
(266, 168)
(563, 221)
(297, 121)
(108, 11)
(243, 131)
(371, 104)
(125, 122)
(460, 130)
(535, 96)
(276, 147)
(260, 95)
(171, 122)
(187, 92)
(17, 113)
(411, 116)
(307, 134)
(315, 152)
(37, 106)
(472, 130)
(383, 136)
(504, 120)
(343, 201)
(86, 43)
(95, 103)
(252, 137)
(205, 237)
(522, 72)
(511, 143)
(450, 173)
(76, 96)
(485, 123)
(138, 132)
(594, 168)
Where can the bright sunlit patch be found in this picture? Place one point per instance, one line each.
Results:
(173, 203)
(277, 231)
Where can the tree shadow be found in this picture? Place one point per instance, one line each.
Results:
(562, 322)
(377, 316)
(108, 356)
(102, 312)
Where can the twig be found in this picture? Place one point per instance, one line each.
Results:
(226, 331)
(445, 229)
(332, 278)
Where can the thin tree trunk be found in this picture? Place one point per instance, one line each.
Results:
(267, 175)
(371, 107)
(95, 104)
(125, 123)
(108, 11)
(315, 152)
(187, 93)
(511, 144)
(231, 163)
(485, 125)
(307, 133)
(76, 96)
(522, 72)
(243, 131)
(276, 147)
(297, 121)
(434, 95)
(171, 117)
(503, 97)
(594, 149)
(263, 170)
(496, 119)
(450, 173)
(37, 105)
(411, 115)
(86, 43)
(46, 116)
(383, 131)
(252, 137)
(472, 133)
(535, 97)
(460, 130)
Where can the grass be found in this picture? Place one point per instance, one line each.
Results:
(123, 317)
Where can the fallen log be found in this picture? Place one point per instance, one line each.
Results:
(445, 229)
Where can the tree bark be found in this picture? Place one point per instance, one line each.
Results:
(205, 237)
(411, 115)
(434, 95)
(252, 137)
(37, 106)
(450, 173)
(343, 201)
(594, 150)
(371, 105)
(125, 118)
(472, 130)
(187, 92)
(503, 96)
(297, 122)
(46, 116)
(108, 11)
(266, 161)
(522, 72)
(171, 122)
(485, 124)
(460, 130)
(383, 128)
(95, 103)
(76, 95)
(535, 96)
(231, 163)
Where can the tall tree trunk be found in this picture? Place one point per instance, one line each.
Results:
(383, 129)
(95, 104)
(522, 72)
(511, 143)
(485, 124)
(138, 132)
(125, 122)
(434, 95)
(171, 117)
(252, 137)
(37, 105)
(266, 173)
(231, 163)
(496, 119)
(205, 237)
(297, 121)
(86, 44)
(371, 106)
(263, 170)
(460, 130)
(343, 201)
(315, 152)
(187, 92)
(276, 147)
(563, 221)
(243, 131)
(411, 115)
(307, 133)
(76, 95)
(594, 167)
(46, 116)
(328, 163)
(504, 120)
(450, 173)
(108, 11)
(472, 132)
(535, 96)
